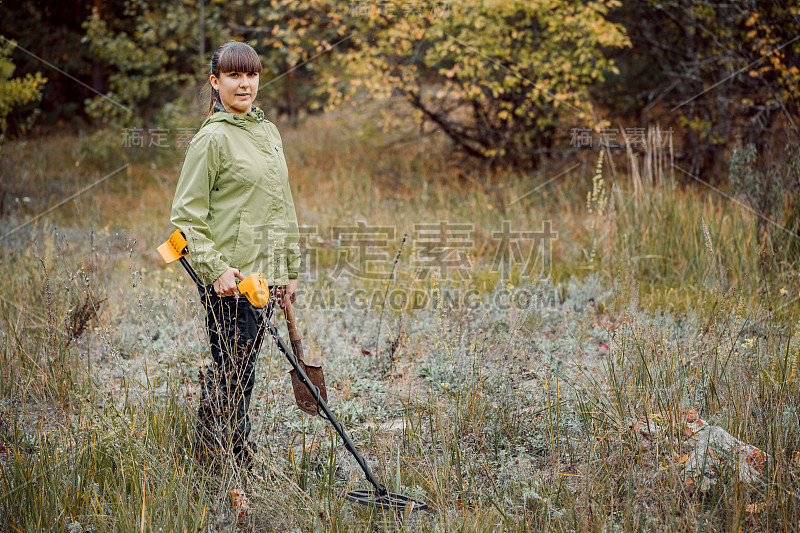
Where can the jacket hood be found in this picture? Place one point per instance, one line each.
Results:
(255, 116)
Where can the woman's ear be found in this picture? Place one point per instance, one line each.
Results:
(214, 82)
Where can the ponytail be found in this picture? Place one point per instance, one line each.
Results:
(213, 103)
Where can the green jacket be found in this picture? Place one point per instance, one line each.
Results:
(233, 200)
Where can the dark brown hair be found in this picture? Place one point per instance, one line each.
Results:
(232, 56)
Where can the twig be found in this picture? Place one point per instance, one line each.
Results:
(386, 292)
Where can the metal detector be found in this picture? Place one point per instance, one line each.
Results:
(257, 292)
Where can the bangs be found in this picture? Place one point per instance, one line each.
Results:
(239, 57)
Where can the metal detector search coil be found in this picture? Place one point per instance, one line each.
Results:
(387, 500)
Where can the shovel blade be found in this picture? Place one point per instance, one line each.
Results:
(305, 400)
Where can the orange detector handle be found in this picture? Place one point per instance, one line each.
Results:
(254, 286)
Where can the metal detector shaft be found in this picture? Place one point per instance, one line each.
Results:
(314, 390)
(191, 272)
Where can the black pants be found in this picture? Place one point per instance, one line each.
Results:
(235, 331)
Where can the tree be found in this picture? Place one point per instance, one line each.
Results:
(153, 51)
(297, 40)
(151, 56)
(499, 78)
(715, 70)
(16, 92)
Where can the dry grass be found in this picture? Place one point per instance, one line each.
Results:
(511, 418)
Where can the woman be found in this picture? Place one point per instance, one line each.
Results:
(235, 207)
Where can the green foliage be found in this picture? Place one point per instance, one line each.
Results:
(714, 70)
(16, 92)
(152, 58)
(155, 54)
(298, 40)
(498, 78)
(97, 472)
(153, 67)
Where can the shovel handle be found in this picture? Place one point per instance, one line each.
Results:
(291, 322)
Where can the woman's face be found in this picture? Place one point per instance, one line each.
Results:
(237, 90)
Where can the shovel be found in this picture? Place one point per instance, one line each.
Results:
(302, 395)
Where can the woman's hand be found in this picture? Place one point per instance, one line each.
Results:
(290, 292)
(225, 285)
